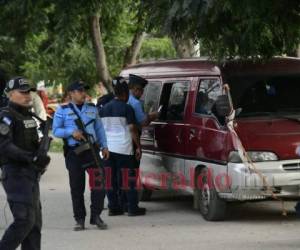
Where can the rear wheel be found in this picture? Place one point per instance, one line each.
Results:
(206, 197)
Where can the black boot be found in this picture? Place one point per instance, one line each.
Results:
(96, 220)
(115, 212)
(79, 226)
(137, 212)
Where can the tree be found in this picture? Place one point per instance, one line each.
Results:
(227, 28)
(19, 18)
(138, 37)
(185, 47)
(103, 19)
(102, 68)
(104, 27)
(154, 48)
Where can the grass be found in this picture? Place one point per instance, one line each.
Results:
(56, 146)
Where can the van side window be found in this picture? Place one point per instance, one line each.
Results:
(152, 94)
(165, 96)
(209, 90)
(176, 102)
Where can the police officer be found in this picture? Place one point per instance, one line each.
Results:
(21, 168)
(137, 85)
(64, 126)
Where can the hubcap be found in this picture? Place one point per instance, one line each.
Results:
(205, 197)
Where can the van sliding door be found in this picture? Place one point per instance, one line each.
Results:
(169, 130)
(151, 100)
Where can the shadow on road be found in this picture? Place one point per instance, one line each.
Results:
(170, 201)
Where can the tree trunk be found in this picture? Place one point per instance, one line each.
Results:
(133, 51)
(101, 63)
(185, 48)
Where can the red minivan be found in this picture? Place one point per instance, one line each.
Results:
(253, 154)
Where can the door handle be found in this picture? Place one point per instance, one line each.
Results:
(178, 137)
(192, 133)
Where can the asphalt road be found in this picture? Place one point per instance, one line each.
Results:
(171, 223)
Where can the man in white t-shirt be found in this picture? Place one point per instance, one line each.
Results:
(121, 131)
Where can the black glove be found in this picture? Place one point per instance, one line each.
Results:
(41, 162)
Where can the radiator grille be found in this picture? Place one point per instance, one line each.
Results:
(292, 166)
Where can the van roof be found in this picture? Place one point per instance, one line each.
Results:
(275, 66)
(179, 67)
(203, 66)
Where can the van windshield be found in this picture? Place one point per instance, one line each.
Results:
(265, 95)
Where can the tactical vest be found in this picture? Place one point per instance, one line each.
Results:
(24, 130)
(3, 101)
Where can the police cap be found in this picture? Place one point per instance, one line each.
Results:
(18, 83)
(78, 85)
(137, 80)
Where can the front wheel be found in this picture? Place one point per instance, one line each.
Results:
(206, 197)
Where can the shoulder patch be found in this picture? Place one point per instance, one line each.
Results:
(7, 120)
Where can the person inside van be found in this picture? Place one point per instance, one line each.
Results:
(176, 110)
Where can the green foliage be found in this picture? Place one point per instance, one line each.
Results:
(117, 36)
(18, 18)
(56, 146)
(54, 43)
(157, 48)
(229, 28)
(75, 61)
(50, 40)
(265, 28)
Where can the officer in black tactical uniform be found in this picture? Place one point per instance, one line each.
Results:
(22, 166)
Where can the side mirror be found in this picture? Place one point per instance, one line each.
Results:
(223, 106)
(238, 111)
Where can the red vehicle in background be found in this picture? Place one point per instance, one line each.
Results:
(191, 148)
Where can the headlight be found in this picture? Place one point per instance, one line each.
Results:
(255, 156)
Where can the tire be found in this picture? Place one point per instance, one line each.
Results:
(206, 198)
(145, 194)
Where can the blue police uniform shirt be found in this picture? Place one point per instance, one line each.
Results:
(64, 123)
(138, 109)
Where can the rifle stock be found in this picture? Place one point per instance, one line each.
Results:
(46, 139)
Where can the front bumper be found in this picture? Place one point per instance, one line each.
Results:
(246, 184)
